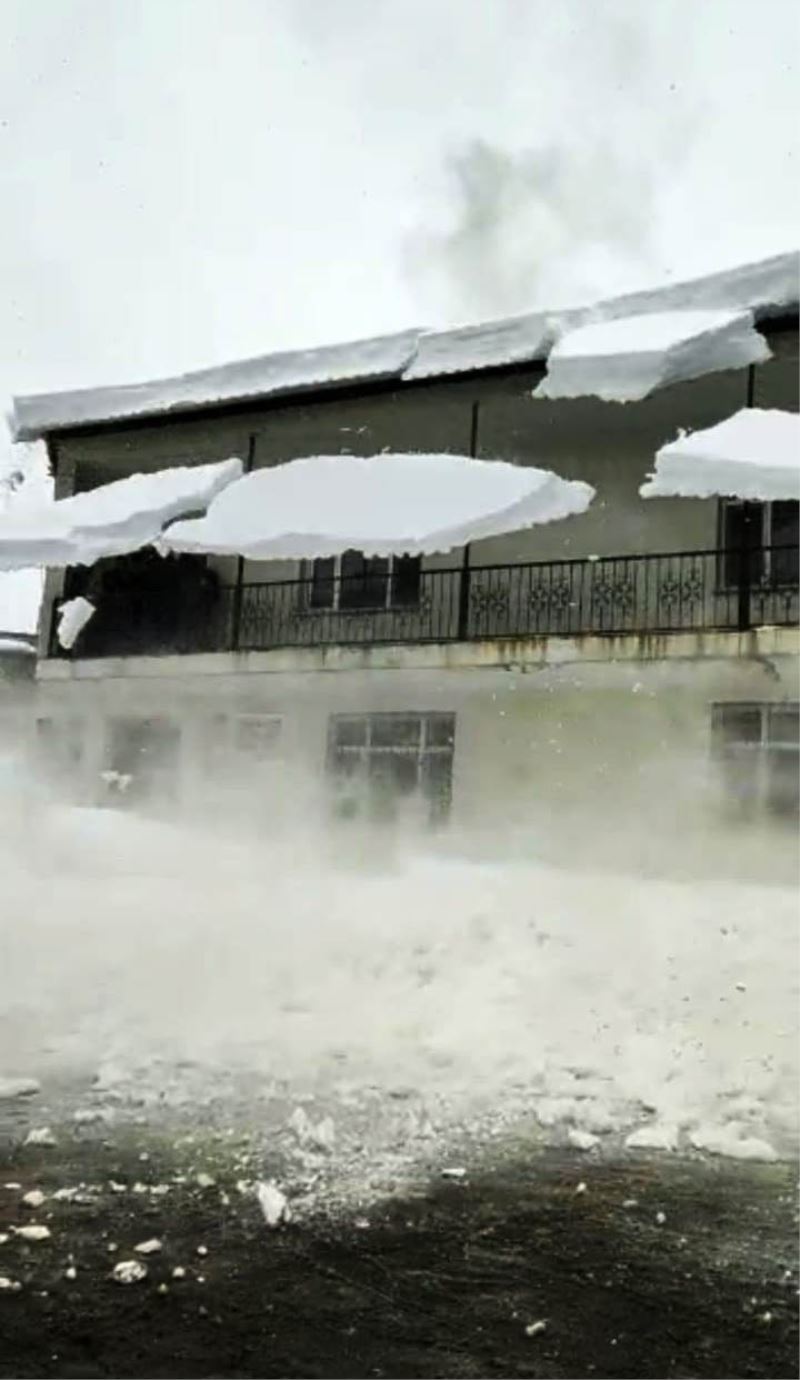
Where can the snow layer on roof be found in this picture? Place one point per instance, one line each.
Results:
(401, 504)
(754, 454)
(768, 288)
(626, 359)
(486, 346)
(270, 375)
(109, 520)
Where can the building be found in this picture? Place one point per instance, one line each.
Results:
(617, 688)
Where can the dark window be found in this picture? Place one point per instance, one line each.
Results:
(379, 761)
(364, 581)
(355, 581)
(769, 532)
(757, 747)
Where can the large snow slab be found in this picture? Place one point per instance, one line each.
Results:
(754, 454)
(402, 504)
(626, 359)
(110, 520)
(269, 375)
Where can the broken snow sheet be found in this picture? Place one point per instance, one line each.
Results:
(72, 619)
(626, 359)
(110, 520)
(383, 505)
(754, 454)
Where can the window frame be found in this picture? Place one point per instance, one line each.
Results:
(390, 603)
(764, 546)
(763, 748)
(423, 752)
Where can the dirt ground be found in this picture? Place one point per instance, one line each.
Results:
(440, 1282)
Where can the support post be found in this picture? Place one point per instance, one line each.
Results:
(238, 589)
(745, 573)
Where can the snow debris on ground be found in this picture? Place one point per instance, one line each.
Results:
(11, 1284)
(150, 1247)
(732, 1141)
(32, 1233)
(179, 1272)
(110, 520)
(535, 1329)
(655, 1136)
(129, 1272)
(70, 1272)
(582, 1140)
(273, 1203)
(661, 1218)
(456, 1173)
(4, 1236)
(626, 359)
(34, 1199)
(415, 1010)
(40, 1135)
(755, 454)
(73, 615)
(382, 505)
(19, 1087)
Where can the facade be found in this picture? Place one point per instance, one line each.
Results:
(619, 688)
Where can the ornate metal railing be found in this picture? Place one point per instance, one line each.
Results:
(662, 593)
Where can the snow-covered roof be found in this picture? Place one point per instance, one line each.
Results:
(628, 358)
(768, 288)
(401, 504)
(110, 520)
(754, 454)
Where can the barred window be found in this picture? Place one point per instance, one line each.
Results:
(757, 747)
(379, 761)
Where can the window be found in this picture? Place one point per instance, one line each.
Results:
(381, 762)
(241, 739)
(59, 744)
(356, 581)
(758, 749)
(142, 757)
(769, 532)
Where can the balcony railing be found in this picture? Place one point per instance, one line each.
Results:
(687, 591)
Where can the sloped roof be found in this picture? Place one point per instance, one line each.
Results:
(768, 288)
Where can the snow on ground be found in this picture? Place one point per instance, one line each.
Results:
(627, 359)
(166, 963)
(111, 519)
(324, 504)
(754, 454)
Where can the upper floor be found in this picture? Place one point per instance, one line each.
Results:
(625, 566)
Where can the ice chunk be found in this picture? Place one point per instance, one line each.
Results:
(40, 1135)
(129, 1272)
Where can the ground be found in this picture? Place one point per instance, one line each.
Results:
(439, 1279)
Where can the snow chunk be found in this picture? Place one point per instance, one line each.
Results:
(626, 359)
(402, 504)
(34, 1198)
(273, 1203)
(149, 1247)
(33, 1233)
(110, 520)
(582, 1140)
(73, 615)
(40, 1135)
(656, 1136)
(129, 1272)
(19, 1087)
(729, 1140)
(12, 1284)
(535, 1329)
(754, 454)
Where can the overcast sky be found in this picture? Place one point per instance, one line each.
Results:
(184, 182)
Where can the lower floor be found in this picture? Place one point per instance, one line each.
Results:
(678, 765)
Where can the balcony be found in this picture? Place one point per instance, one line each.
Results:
(672, 592)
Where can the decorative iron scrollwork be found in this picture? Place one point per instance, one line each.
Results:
(490, 599)
(619, 595)
(550, 596)
(685, 589)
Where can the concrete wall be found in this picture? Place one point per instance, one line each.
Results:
(603, 763)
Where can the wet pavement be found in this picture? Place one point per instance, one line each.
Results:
(636, 1265)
